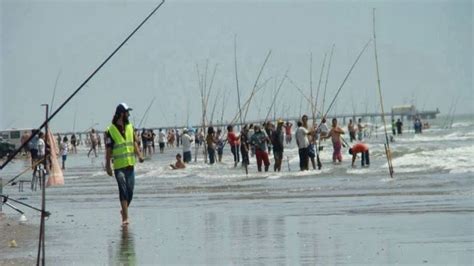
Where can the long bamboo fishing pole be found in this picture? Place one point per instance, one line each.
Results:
(388, 152)
(276, 94)
(327, 77)
(146, 112)
(304, 96)
(54, 90)
(347, 76)
(238, 102)
(246, 104)
(314, 105)
(214, 105)
(42, 233)
(201, 92)
(256, 83)
(81, 86)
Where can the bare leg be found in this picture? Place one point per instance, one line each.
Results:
(124, 212)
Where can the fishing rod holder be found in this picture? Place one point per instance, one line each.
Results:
(5, 201)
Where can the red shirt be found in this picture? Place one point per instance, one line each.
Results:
(233, 139)
(359, 148)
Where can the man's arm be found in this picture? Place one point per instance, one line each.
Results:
(108, 158)
(137, 152)
(353, 159)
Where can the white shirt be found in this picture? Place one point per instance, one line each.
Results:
(41, 147)
(186, 142)
(323, 128)
(64, 148)
(161, 137)
(301, 135)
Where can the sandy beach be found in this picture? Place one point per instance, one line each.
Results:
(17, 240)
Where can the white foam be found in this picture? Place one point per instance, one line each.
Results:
(455, 160)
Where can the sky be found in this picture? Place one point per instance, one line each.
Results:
(424, 51)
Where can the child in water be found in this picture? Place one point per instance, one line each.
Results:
(179, 163)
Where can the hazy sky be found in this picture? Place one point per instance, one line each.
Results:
(424, 47)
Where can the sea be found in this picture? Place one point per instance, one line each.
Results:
(220, 215)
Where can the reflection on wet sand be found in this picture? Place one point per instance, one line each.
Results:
(125, 252)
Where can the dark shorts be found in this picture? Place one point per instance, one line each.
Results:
(187, 156)
(64, 157)
(162, 145)
(126, 182)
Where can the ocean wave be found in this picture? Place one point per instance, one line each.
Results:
(453, 160)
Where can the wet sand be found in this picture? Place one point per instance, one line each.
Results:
(292, 219)
(16, 241)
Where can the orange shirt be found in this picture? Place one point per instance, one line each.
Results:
(359, 148)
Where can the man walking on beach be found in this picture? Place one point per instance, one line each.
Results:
(121, 147)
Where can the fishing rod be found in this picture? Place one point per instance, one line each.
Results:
(304, 96)
(347, 76)
(41, 239)
(6, 198)
(74, 123)
(313, 108)
(54, 90)
(238, 101)
(24, 171)
(80, 87)
(276, 94)
(327, 76)
(214, 105)
(388, 152)
(247, 102)
(256, 82)
(146, 112)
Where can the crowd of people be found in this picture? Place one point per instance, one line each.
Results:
(123, 144)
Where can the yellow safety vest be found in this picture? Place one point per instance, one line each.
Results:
(123, 152)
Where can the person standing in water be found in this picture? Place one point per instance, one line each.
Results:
(186, 141)
(394, 127)
(287, 127)
(161, 140)
(352, 130)
(64, 151)
(234, 142)
(399, 125)
(260, 141)
(93, 139)
(360, 129)
(211, 145)
(335, 135)
(244, 146)
(122, 148)
(278, 143)
(73, 143)
(219, 145)
(302, 141)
